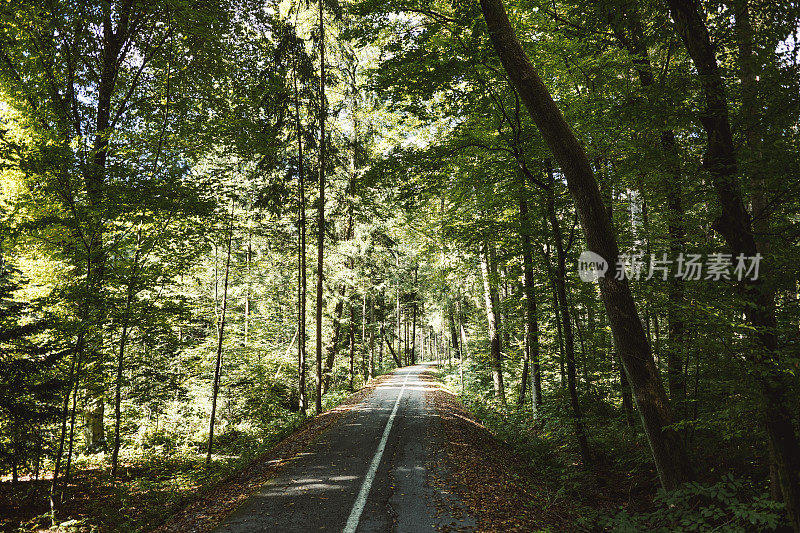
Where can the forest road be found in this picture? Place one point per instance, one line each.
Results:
(380, 467)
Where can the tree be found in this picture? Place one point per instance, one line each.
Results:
(734, 224)
(560, 278)
(220, 337)
(320, 205)
(668, 451)
(489, 275)
(30, 388)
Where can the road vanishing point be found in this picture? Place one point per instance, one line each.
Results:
(379, 467)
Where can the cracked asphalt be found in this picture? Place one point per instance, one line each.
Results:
(411, 490)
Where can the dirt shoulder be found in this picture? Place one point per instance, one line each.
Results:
(212, 506)
(502, 491)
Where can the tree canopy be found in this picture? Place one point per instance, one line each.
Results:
(175, 175)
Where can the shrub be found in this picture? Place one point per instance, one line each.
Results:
(728, 505)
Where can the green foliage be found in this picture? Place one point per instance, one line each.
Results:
(728, 505)
(113, 245)
(30, 384)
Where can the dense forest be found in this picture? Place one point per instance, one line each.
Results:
(218, 220)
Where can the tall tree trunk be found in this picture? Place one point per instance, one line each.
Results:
(463, 337)
(112, 53)
(91, 234)
(414, 322)
(754, 167)
(301, 259)
(351, 338)
(350, 263)
(248, 258)
(631, 37)
(93, 418)
(81, 349)
(562, 372)
(38, 460)
(372, 338)
(447, 346)
(669, 453)
(333, 348)
(71, 440)
(56, 495)
(566, 323)
(502, 306)
(380, 341)
(364, 351)
(676, 330)
(576, 318)
(321, 207)
(405, 339)
(74, 370)
(220, 337)
(531, 323)
(523, 379)
(399, 319)
(734, 224)
(490, 298)
(607, 194)
(535, 355)
(123, 339)
(453, 330)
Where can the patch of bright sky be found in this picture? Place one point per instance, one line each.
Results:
(788, 47)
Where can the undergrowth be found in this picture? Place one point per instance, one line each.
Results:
(160, 473)
(619, 491)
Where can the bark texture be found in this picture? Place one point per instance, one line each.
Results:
(490, 298)
(669, 453)
(563, 304)
(531, 323)
(734, 224)
(320, 208)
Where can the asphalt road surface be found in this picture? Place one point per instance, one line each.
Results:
(380, 467)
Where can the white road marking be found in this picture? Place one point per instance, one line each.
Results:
(361, 500)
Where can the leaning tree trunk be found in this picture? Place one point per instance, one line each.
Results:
(397, 362)
(669, 454)
(735, 227)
